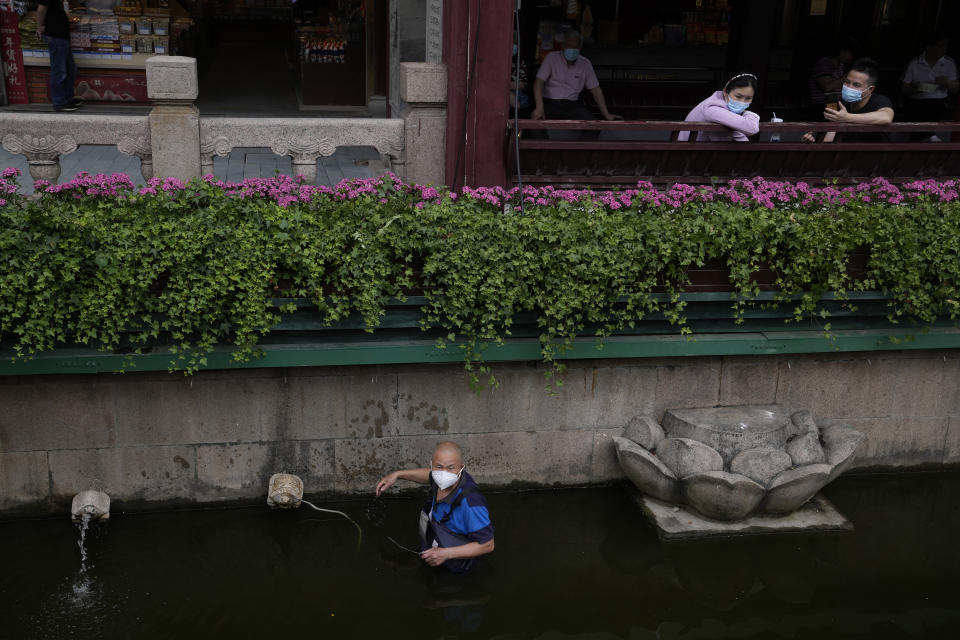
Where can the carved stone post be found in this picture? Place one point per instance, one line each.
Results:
(139, 147)
(174, 120)
(303, 153)
(43, 153)
(210, 147)
(423, 86)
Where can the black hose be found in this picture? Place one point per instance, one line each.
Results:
(466, 104)
(516, 111)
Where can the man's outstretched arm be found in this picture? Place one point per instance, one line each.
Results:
(421, 476)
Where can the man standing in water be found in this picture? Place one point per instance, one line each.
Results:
(455, 526)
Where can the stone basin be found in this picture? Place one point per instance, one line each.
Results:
(731, 430)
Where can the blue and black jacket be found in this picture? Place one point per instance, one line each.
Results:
(458, 519)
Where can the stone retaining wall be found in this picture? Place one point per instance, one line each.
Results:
(215, 436)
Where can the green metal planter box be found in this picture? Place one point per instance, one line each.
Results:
(302, 339)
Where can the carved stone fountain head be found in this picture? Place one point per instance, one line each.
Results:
(728, 463)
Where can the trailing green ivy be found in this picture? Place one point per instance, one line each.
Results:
(103, 263)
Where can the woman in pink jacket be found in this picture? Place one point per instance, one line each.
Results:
(729, 108)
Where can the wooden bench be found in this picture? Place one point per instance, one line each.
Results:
(664, 161)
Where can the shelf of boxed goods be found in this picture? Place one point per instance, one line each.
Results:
(92, 60)
(117, 71)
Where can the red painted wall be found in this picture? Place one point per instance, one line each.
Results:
(477, 38)
(93, 85)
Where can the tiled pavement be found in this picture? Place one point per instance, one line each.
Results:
(242, 163)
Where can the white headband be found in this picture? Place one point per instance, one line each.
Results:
(742, 75)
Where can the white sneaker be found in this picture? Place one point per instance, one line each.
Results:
(934, 138)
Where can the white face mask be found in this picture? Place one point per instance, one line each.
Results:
(445, 479)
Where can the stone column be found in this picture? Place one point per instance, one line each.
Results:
(42, 152)
(407, 42)
(174, 120)
(423, 87)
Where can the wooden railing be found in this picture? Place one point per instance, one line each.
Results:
(667, 160)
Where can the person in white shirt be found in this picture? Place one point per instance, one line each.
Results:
(927, 81)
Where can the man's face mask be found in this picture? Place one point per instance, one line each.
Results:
(849, 94)
(571, 53)
(446, 479)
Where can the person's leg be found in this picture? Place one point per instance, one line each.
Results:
(71, 80)
(580, 112)
(557, 110)
(566, 110)
(570, 110)
(58, 70)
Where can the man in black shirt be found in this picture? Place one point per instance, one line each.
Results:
(54, 27)
(860, 104)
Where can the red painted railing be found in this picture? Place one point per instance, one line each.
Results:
(663, 159)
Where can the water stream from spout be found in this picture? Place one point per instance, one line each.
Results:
(84, 526)
(82, 587)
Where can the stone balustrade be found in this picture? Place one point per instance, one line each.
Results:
(303, 139)
(175, 141)
(44, 137)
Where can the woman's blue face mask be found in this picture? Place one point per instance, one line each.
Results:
(736, 106)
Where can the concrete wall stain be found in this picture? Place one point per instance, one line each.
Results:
(433, 424)
(371, 466)
(434, 420)
(379, 421)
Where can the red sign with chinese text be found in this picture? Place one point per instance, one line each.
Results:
(12, 57)
(92, 85)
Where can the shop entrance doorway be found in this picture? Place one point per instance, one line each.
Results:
(291, 57)
(244, 60)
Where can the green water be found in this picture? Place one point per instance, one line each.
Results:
(579, 563)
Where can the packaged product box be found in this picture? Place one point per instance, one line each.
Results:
(128, 8)
(161, 45)
(144, 26)
(128, 43)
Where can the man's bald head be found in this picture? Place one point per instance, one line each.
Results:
(447, 454)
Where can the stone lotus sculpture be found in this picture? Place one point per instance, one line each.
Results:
(730, 462)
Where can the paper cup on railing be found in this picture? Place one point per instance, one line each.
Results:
(775, 137)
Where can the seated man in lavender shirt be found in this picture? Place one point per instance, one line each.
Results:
(561, 78)
(729, 108)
